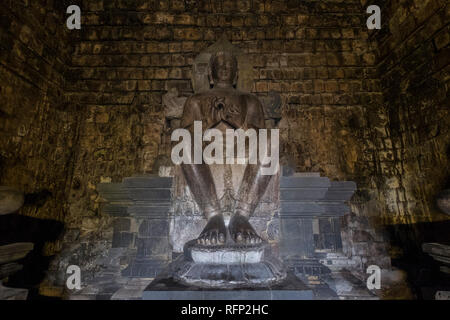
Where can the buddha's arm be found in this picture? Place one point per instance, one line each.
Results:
(254, 183)
(255, 113)
(198, 176)
(191, 112)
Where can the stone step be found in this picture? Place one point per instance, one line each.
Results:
(341, 190)
(113, 192)
(8, 269)
(304, 182)
(336, 209)
(439, 252)
(115, 210)
(338, 263)
(302, 267)
(301, 209)
(132, 290)
(152, 211)
(302, 194)
(144, 269)
(436, 248)
(148, 182)
(149, 194)
(349, 287)
(15, 251)
(12, 293)
(306, 174)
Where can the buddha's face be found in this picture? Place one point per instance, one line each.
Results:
(223, 69)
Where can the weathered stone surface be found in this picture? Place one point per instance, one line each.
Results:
(165, 288)
(14, 251)
(226, 266)
(349, 287)
(7, 293)
(415, 90)
(224, 254)
(173, 104)
(145, 201)
(38, 129)
(310, 224)
(208, 274)
(11, 200)
(440, 252)
(443, 201)
(132, 290)
(8, 269)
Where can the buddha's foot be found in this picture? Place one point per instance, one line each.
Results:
(214, 232)
(242, 231)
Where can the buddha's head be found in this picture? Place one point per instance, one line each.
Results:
(223, 68)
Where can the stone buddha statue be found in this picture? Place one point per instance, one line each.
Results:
(224, 107)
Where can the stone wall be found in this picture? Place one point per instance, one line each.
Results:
(413, 63)
(38, 129)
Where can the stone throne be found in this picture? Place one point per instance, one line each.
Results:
(156, 214)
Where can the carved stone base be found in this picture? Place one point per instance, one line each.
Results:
(227, 266)
(166, 288)
(224, 254)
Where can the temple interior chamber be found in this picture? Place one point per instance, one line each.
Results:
(86, 118)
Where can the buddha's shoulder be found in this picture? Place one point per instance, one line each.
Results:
(198, 97)
(204, 95)
(248, 96)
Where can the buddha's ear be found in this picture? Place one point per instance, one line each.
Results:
(236, 76)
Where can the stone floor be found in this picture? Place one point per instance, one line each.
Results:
(341, 285)
(108, 283)
(7, 293)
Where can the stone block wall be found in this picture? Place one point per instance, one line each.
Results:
(413, 59)
(315, 53)
(38, 129)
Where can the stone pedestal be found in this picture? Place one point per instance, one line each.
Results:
(227, 266)
(12, 293)
(141, 205)
(439, 252)
(311, 207)
(14, 251)
(165, 287)
(9, 254)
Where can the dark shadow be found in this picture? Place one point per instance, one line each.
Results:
(423, 271)
(37, 199)
(18, 228)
